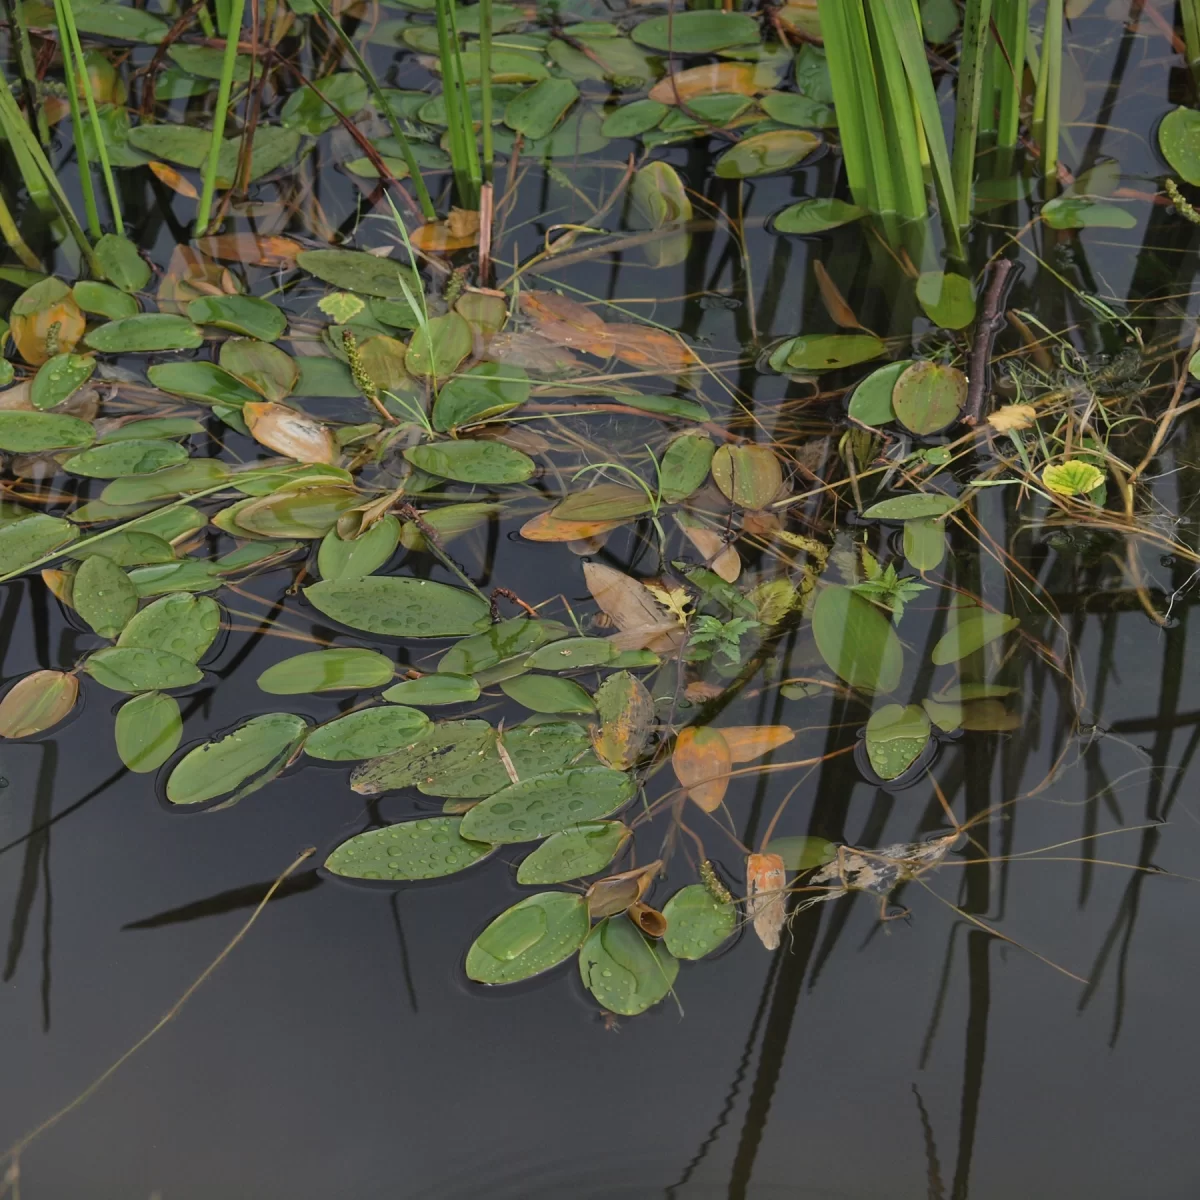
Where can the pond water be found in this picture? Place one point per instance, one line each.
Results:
(1023, 1027)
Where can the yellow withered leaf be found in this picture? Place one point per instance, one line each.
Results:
(288, 432)
(740, 79)
(626, 711)
(701, 763)
(546, 527)
(179, 184)
(748, 742)
(37, 702)
(766, 897)
(632, 608)
(256, 250)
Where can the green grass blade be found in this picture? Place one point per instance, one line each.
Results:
(912, 51)
(1047, 106)
(977, 19)
(1013, 21)
(19, 24)
(71, 71)
(485, 83)
(368, 77)
(224, 88)
(902, 146)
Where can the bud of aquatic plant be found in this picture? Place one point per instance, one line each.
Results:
(358, 370)
(716, 889)
(1183, 206)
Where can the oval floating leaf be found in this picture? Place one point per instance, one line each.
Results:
(238, 763)
(550, 803)
(749, 476)
(60, 377)
(583, 850)
(928, 396)
(766, 153)
(352, 558)
(697, 922)
(547, 694)
(825, 352)
(896, 735)
(367, 734)
(427, 848)
(181, 624)
(947, 298)
(148, 730)
(924, 543)
(815, 215)
(439, 688)
(572, 652)
(684, 466)
(626, 711)
(802, 853)
(1179, 141)
(531, 750)
(906, 508)
(120, 262)
(871, 401)
(202, 381)
(698, 32)
(537, 110)
(247, 315)
(1072, 478)
(137, 669)
(327, 671)
(857, 640)
(104, 596)
(624, 971)
(487, 390)
(702, 762)
(25, 542)
(145, 332)
(531, 937)
(472, 461)
(442, 750)
(37, 703)
(972, 631)
(116, 460)
(399, 607)
(33, 432)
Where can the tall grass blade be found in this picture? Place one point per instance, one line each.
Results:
(464, 155)
(485, 84)
(1013, 23)
(912, 50)
(71, 71)
(18, 22)
(1189, 12)
(66, 21)
(224, 88)
(1047, 103)
(368, 77)
(977, 19)
(902, 147)
(12, 236)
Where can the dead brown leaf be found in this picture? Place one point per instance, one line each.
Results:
(701, 763)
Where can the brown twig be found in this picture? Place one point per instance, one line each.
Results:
(991, 320)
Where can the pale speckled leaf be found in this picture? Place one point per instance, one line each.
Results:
(427, 848)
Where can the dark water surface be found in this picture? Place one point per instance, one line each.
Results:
(340, 1050)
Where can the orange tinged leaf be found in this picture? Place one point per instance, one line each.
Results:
(701, 763)
(627, 713)
(37, 702)
(723, 559)
(550, 306)
(748, 742)
(174, 180)
(437, 237)
(766, 897)
(835, 303)
(546, 527)
(52, 330)
(632, 607)
(740, 79)
(286, 431)
(652, 349)
(250, 248)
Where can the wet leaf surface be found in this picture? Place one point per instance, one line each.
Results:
(427, 848)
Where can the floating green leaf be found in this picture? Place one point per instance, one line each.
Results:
(472, 461)
(119, 459)
(37, 703)
(308, 113)
(532, 936)
(121, 263)
(906, 508)
(240, 314)
(684, 466)
(357, 271)
(181, 624)
(438, 346)
(630, 120)
(104, 596)
(548, 694)
(583, 850)
(973, 630)
(145, 332)
(352, 558)
(856, 640)
(263, 367)
(148, 730)
(871, 401)
(24, 542)
(1179, 141)
(60, 377)
(924, 543)
(800, 853)
(137, 669)
(815, 215)
(305, 512)
(929, 396)
(238, 763)
(697, 922)
(427, 848)
(370, 733)
(447, 747)
(439, 688)
(749, 476)
(203, 381)
(399, 607)
(790, 108)
(1073, 477)
(531, 749)
(538, 109)
(33, 432)
(487, 390)
(572, 652)
(624, 971)
(348, 668)
(896, 735)
(947, 299)
(766, 153)
(698, 32)
(103, 299)
(550, 803)
(825, 352)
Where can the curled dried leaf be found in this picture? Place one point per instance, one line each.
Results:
(288, 432)
(766, 897)
(748, 742)
(701, 763)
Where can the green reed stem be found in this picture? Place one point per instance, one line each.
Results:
(71, 72)
(224, 88)
(12, 236)
(464, 155)
(1189, 11)
(485, 83)
(368, 77)
(66, 20)
(19, 24)
(1013, 22)
(976, 35)
(1048, 98)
